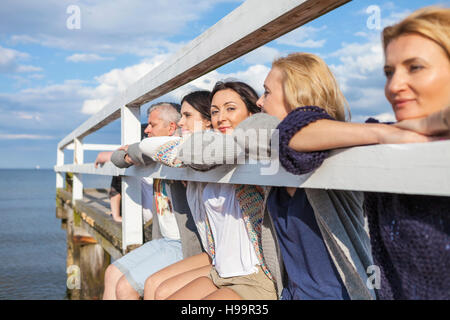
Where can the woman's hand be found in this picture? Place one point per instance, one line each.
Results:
(435, 124)
(390, 134)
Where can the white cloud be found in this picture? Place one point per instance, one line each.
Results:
(262, 55)
(253, 76)
(6, 136)
(86, 57)
(9, 61)
(28, 68)
(28, 116)
(112, 83)
(143, 28)
(360, 70)
(360, 76)
(303, 37)
(393, 18)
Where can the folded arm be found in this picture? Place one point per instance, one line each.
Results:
(126, 157)
(250, 139)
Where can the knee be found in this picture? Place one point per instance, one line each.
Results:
(150, 288)
(111, 273)
(163, 291)
(124, 290)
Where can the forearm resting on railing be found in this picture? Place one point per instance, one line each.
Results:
(118, 158)
(330, 134)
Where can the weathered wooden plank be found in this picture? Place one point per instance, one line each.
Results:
(91, 216)
(101, 222)
(78, 239)
(93, 263)
(238, 35)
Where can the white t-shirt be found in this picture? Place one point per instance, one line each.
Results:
(147, 199)
(166, 218)
(235, 254)
(163, 208)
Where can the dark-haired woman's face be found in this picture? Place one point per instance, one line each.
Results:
(192, 120)
(227, 110)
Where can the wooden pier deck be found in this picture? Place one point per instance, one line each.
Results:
(94, 240)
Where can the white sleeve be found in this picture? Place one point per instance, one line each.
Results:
(150, 146)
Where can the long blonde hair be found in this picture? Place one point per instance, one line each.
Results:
(430, 22)
(307, 81)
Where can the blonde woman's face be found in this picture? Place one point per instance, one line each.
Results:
(272, 101)
(191, 119)
(418, 77)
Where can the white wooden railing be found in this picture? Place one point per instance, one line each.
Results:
(410, 169)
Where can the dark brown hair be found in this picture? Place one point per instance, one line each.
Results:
(247, 93)
(200, 101)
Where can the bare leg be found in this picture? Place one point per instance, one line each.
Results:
(112, 276)
(170, 286)
(195, 290)
(188, 264)
(223, 294)
(124, 290)
(115, 207)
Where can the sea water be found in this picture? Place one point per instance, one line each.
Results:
(32, 243)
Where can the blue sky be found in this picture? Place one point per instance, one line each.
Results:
(53, 78)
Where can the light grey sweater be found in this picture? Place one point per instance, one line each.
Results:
(339, 214)
(190, 240)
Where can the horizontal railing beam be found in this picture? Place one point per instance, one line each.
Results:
(407, 168)
(248, 27)
(107, 169)
(95, 147)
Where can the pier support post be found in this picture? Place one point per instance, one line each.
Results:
(132, 229)
(78, 158)
(86, 260)
(59, 162)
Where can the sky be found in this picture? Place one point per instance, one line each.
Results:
(62, 61)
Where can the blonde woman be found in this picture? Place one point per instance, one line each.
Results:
(409, 233)
(321, 235)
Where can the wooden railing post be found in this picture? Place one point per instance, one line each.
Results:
(59, 162)
(78, 158)
(132, 229)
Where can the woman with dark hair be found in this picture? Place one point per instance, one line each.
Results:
(174, 235)
(247, 93)
(228, 219)
(195, 106)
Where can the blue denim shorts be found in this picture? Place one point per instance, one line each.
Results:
(144, 261)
